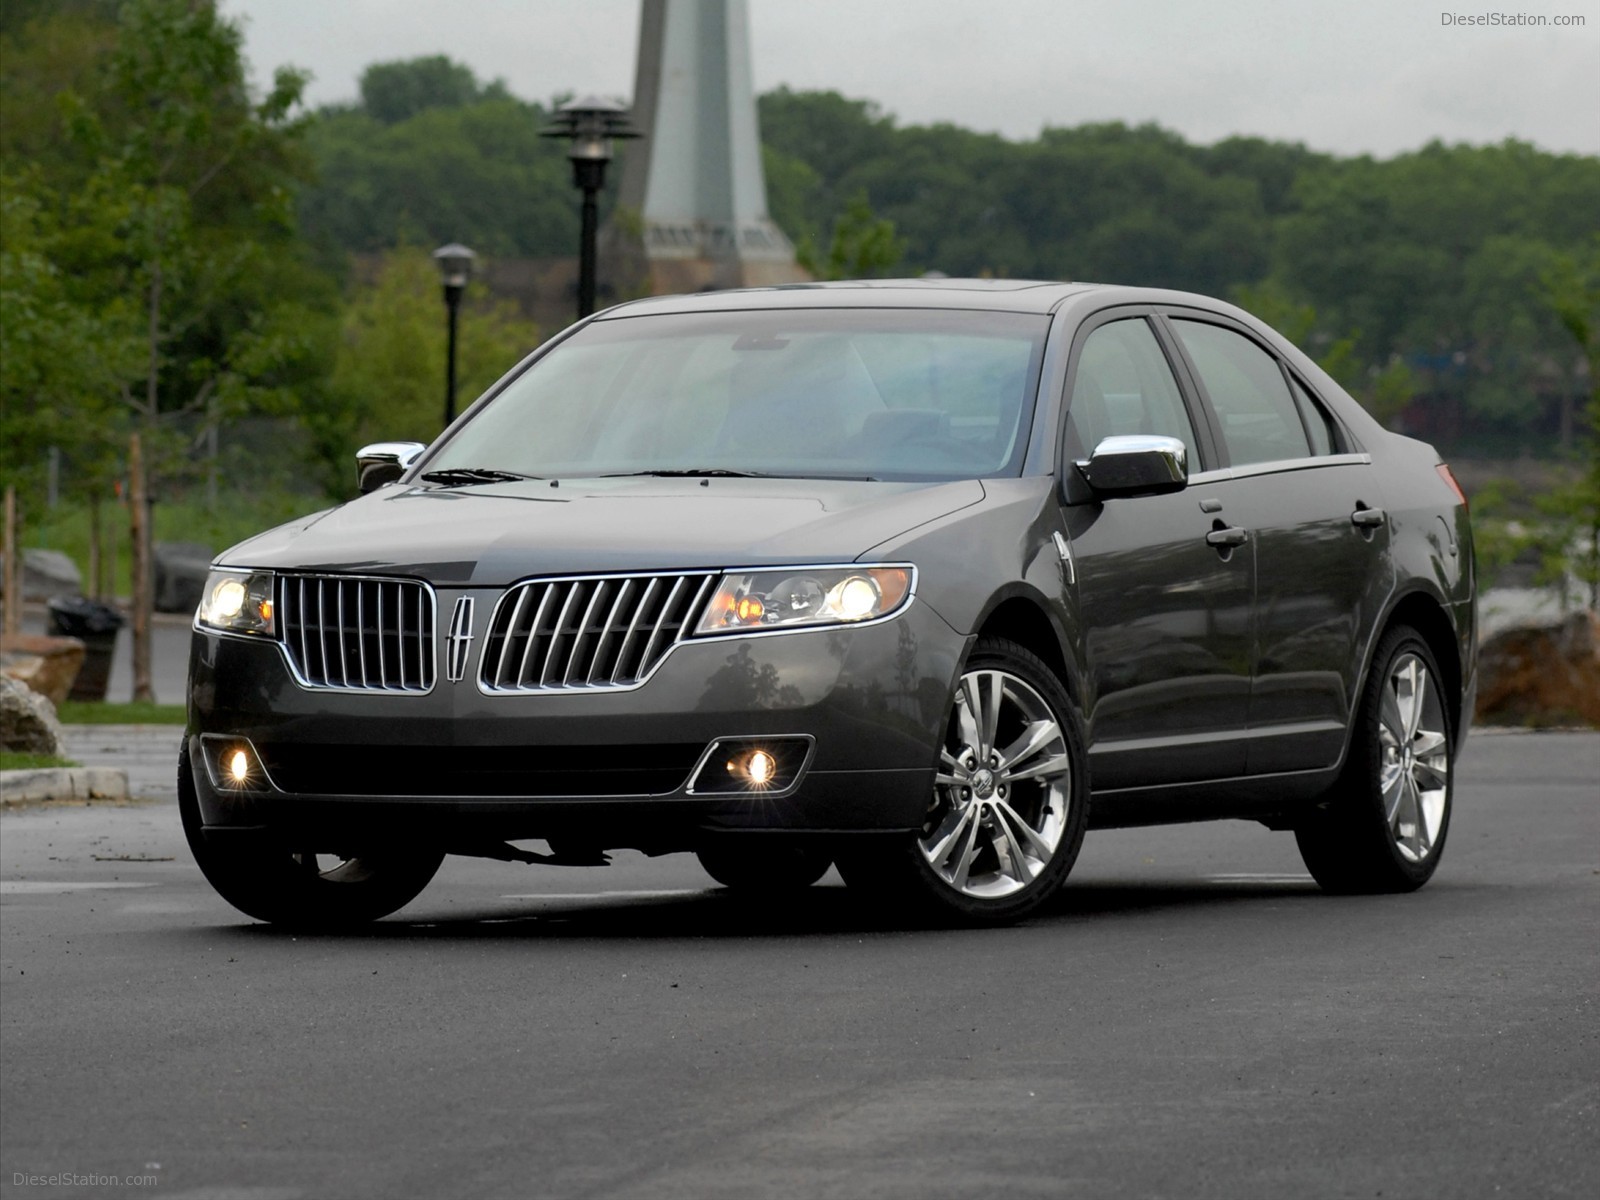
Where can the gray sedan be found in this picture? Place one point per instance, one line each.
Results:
(922, 579)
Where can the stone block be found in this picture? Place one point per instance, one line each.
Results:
(28, 722)
(1542, 674)
(48, 665)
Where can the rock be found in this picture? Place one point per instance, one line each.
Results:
(1542, 674)
(48, 665)
(47, 573)
(28, 722)
(180, 575)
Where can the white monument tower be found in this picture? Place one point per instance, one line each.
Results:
(692, 189)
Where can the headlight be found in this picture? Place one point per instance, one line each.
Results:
(238, 601)
(791, 599)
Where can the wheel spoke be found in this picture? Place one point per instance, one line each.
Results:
(1427, 743)
(1049, 768)
(1013, 820)
(1392, 721)
(1034, 738)
(1430, 776)
(949, 830)
(968, 712)
(969, 850)
(1393, 782)
(1017, 864)
(989, 722)
(1410, 680)
(1421, 837)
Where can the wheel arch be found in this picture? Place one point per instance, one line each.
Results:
(1021, 616)
(1426, 614)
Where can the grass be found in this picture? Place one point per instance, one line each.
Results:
(12, 760)
(235, 517)
(93, 712)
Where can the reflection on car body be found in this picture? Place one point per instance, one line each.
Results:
(918, 578)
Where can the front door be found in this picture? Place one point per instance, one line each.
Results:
(1164, 614)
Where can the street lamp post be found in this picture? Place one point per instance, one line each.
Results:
(455, 268)
(591, 124)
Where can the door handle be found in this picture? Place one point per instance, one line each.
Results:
(1230, 535)
(1367, 518)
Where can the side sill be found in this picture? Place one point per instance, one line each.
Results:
(1254, 797)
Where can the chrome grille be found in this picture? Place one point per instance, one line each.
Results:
(593, 632)
(358, 634)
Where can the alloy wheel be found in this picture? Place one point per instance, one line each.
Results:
(1003, 789)
(1414, 758)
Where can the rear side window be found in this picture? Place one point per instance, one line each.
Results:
(1324, 434)
(1124, 385)
(1260, 421)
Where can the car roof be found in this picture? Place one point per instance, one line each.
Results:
(997, 295)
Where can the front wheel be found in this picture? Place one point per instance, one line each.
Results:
(1382, 828)
(273, 882)
(1009, 803)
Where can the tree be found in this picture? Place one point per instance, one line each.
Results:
(863, 245)
(396, 91)
(388, 376)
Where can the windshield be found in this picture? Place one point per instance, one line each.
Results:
(842, 393)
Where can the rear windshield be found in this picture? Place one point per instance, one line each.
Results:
(845, 393)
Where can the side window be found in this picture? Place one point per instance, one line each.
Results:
(1324, 435)
(1125, 385)
(1260, 422)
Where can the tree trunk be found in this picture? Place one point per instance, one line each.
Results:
(13, 575)
(96, 591)
(139, 528)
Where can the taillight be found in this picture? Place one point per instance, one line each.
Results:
(1444, 474)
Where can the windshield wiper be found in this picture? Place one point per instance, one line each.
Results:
(449, 475)
(689, 472)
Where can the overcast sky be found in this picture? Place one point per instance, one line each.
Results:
(1352, 76)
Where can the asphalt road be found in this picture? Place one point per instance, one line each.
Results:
(1191, 1019)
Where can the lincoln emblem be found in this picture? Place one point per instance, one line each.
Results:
(459, 641)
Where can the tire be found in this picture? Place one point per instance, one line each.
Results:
(1009, 804)
(764, 868)
(1382, 827)
(265, 879)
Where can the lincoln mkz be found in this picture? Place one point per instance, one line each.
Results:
(919, 579)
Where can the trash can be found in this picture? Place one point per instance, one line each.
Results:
(95, 625)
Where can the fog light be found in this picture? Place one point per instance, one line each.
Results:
(759, 767)
(239, 766)
(766, 765)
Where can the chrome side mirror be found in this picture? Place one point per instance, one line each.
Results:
(1136, 465)
(384, 462)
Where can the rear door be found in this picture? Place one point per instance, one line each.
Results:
(1314, 511)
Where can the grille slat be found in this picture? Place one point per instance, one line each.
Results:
(645, 616)
(317, 613)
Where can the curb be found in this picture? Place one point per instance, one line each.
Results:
(62, 783)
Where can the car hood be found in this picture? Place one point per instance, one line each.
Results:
(490, 535)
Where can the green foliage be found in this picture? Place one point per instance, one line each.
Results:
(396, 91)
(864, 246)
(154, 239)
(432, 157)
(389, 372)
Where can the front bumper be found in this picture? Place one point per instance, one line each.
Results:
(871, 699)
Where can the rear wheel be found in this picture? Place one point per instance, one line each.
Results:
(764, 867)
(1383, 827)
(1009, 803)
(273, 882)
